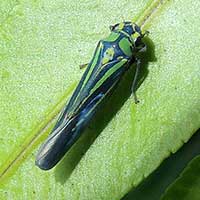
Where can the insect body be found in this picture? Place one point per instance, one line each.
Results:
(112, 57)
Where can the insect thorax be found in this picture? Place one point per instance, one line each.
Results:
(116, 46)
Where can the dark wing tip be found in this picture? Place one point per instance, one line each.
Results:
(43, 164)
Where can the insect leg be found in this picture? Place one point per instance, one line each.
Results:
(83, 66)
(134, 84)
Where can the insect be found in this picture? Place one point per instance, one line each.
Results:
(112, 57)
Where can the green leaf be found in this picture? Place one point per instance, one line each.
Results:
(187, 185)
(153, 187)
(42, 44)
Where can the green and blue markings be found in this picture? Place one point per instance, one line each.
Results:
(112, 57)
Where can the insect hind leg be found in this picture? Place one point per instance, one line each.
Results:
(134, 84)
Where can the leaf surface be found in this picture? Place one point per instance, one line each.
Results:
(42, 44)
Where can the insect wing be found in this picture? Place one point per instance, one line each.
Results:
(99, 78)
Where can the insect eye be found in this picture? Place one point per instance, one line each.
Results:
(137, 29)
(113, 27)
(138, 41)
